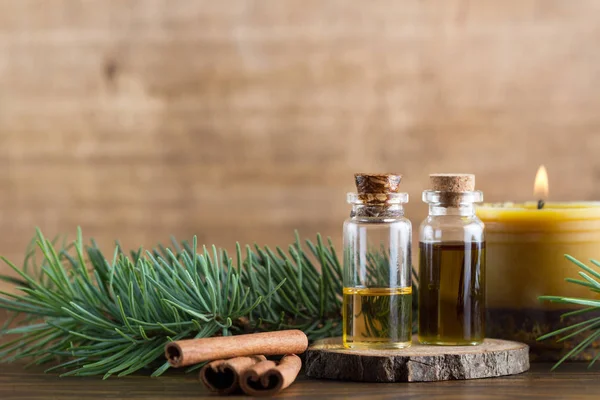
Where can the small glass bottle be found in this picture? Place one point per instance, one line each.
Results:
(377, 293)
(452, 264)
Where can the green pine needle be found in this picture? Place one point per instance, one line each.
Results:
(591, 280)
(87, 314)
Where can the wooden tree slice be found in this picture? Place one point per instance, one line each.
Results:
(419, 363)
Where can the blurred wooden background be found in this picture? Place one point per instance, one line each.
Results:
(243, 120)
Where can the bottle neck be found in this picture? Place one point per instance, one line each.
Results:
(452, 203)
(463, 210)
(377, 210)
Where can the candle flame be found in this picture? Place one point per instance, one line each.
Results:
(540, 187)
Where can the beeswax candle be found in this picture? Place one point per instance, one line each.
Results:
(526, 245)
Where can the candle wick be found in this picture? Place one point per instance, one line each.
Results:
(541, 204)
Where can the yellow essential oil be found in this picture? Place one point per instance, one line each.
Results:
(377, 318)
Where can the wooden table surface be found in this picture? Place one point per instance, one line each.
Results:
(571, 381)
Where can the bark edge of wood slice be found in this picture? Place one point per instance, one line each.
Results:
(328, 359)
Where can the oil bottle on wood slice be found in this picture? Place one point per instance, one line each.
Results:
(452, 264)
(377, 293)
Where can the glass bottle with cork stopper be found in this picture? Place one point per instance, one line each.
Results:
(377, 293)
(452, 264)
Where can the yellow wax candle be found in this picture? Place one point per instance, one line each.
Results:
(525, 259)
(526, 248)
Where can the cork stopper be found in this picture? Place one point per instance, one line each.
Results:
(453, 183)
(375, 188)
(452, 186)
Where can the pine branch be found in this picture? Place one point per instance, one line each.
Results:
(114, 317)
(591, 280)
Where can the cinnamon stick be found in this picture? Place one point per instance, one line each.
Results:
(223, 376)
(267, 378)
(182, 353)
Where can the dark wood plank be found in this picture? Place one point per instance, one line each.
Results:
(571, 381)
(538, 383)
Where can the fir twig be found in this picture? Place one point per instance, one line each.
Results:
(101, 317)
(591, 280)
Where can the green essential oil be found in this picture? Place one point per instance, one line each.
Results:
(452, 293)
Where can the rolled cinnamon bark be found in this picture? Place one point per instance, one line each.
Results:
(223, 376)
(268, 378)
(182, 353)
